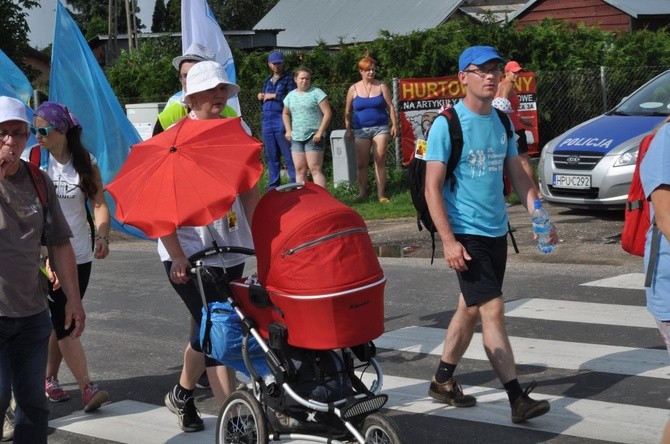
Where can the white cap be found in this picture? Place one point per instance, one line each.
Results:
(503, 105)
(12, 109)
(195, 52)
(207, 75)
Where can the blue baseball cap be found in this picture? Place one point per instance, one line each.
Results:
(276, 57)
(478, 55)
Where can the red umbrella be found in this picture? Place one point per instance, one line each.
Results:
(188, 175)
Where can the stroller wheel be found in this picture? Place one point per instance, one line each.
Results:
(378, 429)
(241, 420)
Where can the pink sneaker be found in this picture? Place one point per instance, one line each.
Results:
(93, 397)
(54, 391)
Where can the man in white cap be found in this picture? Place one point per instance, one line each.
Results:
(175, 108)
(30, 217)
(469, 215)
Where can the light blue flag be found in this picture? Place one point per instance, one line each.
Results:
(15, 84)
(15, 78)
(78, 82)
(198, 25)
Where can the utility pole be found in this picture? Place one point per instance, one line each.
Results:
(137, 43)
(113, 46)
(129, 27)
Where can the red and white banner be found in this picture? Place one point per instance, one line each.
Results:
(420, 101)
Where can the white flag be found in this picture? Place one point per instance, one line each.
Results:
(198, 25)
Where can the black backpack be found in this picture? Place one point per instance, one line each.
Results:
(417, 172)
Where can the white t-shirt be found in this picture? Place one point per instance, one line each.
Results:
(231, 230)
(73, 203)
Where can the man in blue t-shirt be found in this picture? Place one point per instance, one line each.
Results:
(275, 88)
(472, 223)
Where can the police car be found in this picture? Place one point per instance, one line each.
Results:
(591, 165)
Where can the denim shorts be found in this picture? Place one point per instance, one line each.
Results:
(300, 146)
(371, 132)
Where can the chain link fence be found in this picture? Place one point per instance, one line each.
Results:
(567, 98)
(564, 99)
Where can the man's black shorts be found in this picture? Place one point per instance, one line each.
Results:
(486, 271)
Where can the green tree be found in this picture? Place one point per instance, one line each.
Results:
(13, 35)
(146, 74)
(173, 16)
(159, 17)
(90, 14)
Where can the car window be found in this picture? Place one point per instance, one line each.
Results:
(652, 99)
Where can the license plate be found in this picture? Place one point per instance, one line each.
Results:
(574, 182)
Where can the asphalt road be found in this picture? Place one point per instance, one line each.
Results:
(137, 327)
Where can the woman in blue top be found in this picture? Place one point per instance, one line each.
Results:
(306, 116)
(366, 119)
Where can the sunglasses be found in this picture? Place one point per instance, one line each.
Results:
(41, 130)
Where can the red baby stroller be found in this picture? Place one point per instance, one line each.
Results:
(315, 309)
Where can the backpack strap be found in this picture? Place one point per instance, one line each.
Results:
(508, 130)
(41, 188)
(506, 123)
(38, 181)
(653, 253)
(456, 136)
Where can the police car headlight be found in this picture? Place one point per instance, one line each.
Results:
(627, 158)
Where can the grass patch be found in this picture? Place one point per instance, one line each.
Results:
(397, 190)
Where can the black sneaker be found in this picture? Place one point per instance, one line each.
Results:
(450, 392)
(188, 416)
(526, 408)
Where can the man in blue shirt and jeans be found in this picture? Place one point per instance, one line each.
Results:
(275, 88)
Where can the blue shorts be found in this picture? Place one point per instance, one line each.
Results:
(298, 146)
(371, 132)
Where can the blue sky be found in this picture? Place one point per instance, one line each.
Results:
(41, 21)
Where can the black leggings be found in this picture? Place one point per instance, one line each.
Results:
(57, 301)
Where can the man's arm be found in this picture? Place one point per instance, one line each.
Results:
(66, 266)
(455, 254)
(660, 197)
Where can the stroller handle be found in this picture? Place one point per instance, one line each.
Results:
(213, 250)
(290, 186)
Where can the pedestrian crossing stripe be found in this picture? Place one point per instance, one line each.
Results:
(630, 281)
(132, 421)
(576, 311)
(540, 352)
(582, 418)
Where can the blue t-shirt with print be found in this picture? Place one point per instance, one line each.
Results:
(476, 205)
(654, 172)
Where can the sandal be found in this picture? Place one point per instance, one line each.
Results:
(384, 200)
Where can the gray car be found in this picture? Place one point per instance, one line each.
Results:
(591, 165)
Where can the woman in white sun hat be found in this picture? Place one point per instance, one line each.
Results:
(207, 92)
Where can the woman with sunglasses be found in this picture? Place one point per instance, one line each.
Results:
(77, 179)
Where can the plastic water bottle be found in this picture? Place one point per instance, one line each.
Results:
(542, 227)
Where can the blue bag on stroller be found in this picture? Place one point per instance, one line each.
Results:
(221, 338)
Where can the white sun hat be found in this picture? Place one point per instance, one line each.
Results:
(207, 75)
